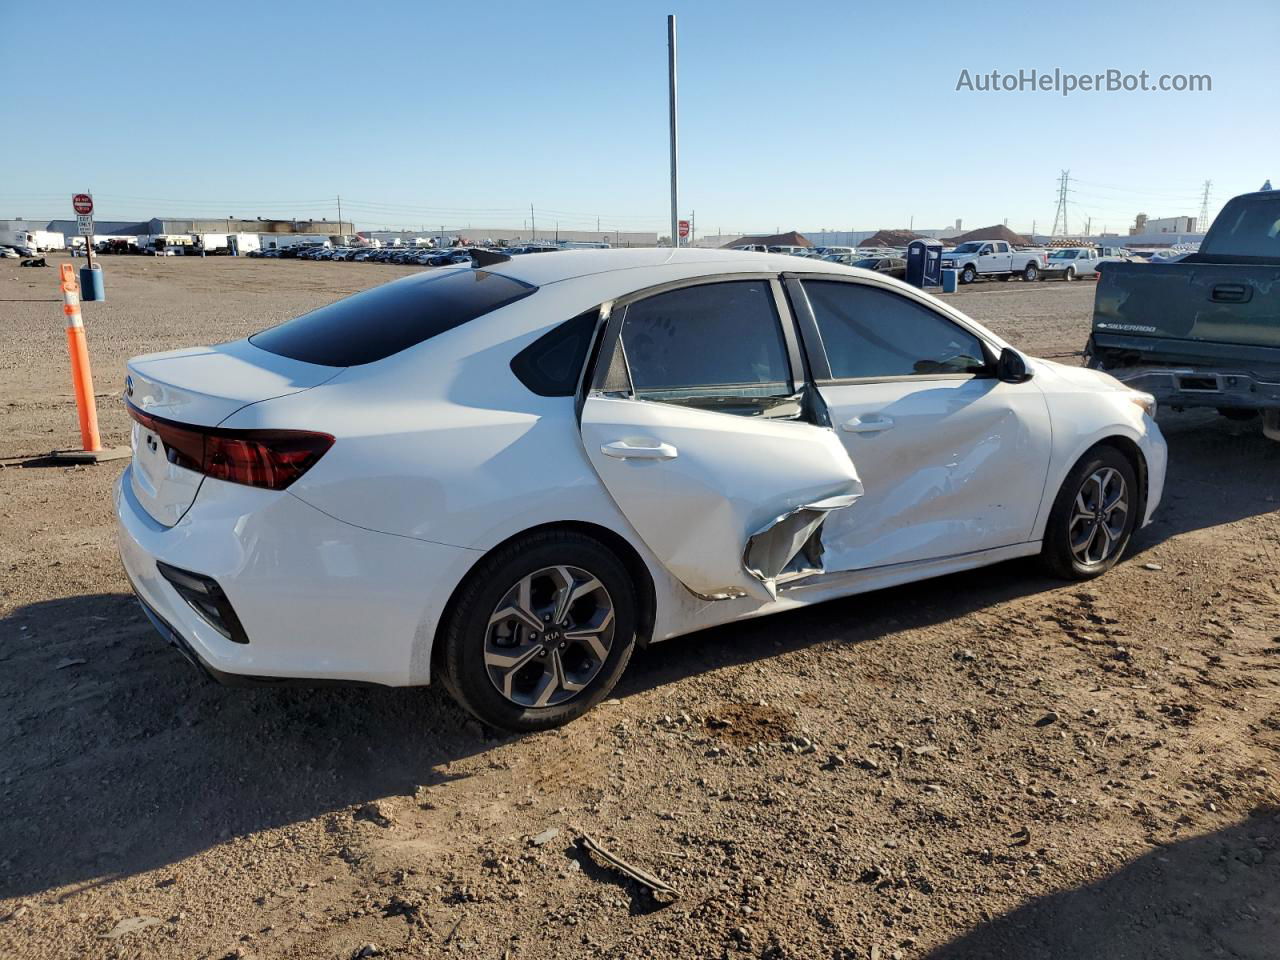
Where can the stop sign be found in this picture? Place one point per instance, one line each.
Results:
(82, 203)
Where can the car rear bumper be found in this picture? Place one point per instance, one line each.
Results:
(319, 599)
(1202, 387)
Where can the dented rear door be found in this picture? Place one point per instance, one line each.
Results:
(700, 425)
(731, 505)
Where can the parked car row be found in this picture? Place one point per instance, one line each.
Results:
(423, 256)
(973, 260)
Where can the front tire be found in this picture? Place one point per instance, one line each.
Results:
(968, 275)
(1070, 275)
(540, 632)
(1093, 516)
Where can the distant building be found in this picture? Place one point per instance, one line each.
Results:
(1144, 225)
(509, 236)
(168, 226)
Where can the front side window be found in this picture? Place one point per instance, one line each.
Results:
(868, 332)
(705, 344)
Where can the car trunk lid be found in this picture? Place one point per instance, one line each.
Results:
(200, 387)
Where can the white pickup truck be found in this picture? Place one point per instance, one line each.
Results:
(1073, 263)
(993, 258)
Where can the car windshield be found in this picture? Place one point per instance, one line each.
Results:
(971, 247)
(387, 319)
(867, 262)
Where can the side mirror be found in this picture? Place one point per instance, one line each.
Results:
(1011, 367)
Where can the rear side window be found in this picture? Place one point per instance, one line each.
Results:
(551, 365)
(393, 317)
(869, 332)
(711, 339)
(1245, 228)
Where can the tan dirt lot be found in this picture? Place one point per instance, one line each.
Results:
(861, 779)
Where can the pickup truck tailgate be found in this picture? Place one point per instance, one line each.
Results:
(1209, 303)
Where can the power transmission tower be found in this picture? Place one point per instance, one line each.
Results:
(1203, 223)
(1060, 217)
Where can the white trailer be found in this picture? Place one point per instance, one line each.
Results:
(49, 240)
(23, 241)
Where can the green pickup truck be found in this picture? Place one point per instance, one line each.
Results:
(1203, 331)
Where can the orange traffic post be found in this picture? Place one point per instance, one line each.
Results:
(82, 377)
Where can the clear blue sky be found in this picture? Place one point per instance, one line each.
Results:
(808, 115)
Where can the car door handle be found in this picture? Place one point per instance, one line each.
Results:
(1231, 293)
(872, 423)
(622, 450)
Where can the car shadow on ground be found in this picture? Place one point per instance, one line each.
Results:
(119, 757)
(1220, 471)
(1215, 895)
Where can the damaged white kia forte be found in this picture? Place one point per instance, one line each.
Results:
(507, 476)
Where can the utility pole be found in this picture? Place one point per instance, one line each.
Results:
(675, 147)
(1060, 217)
(1088, 226)
(340, 214)
(1033, 229)
(693, 227)
(1203, 223)
(534, 228)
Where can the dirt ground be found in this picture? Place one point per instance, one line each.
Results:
(994, 764)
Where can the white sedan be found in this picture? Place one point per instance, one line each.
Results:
(508, 476)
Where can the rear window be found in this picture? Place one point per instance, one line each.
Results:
(393, 317)
(1246, 227)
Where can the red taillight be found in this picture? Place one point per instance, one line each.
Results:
(272, 459)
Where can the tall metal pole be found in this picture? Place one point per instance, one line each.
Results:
(88, 241)
(675, 143)
(533, 224)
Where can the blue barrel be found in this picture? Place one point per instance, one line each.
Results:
(91, 287)
(949, 280)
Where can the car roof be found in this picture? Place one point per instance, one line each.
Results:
(561, 265)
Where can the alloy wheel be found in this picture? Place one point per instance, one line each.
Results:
(549, 636)
(1099, 517)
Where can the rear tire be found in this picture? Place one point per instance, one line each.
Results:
(1093, 516)
(492, 665)
(1031, 273)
